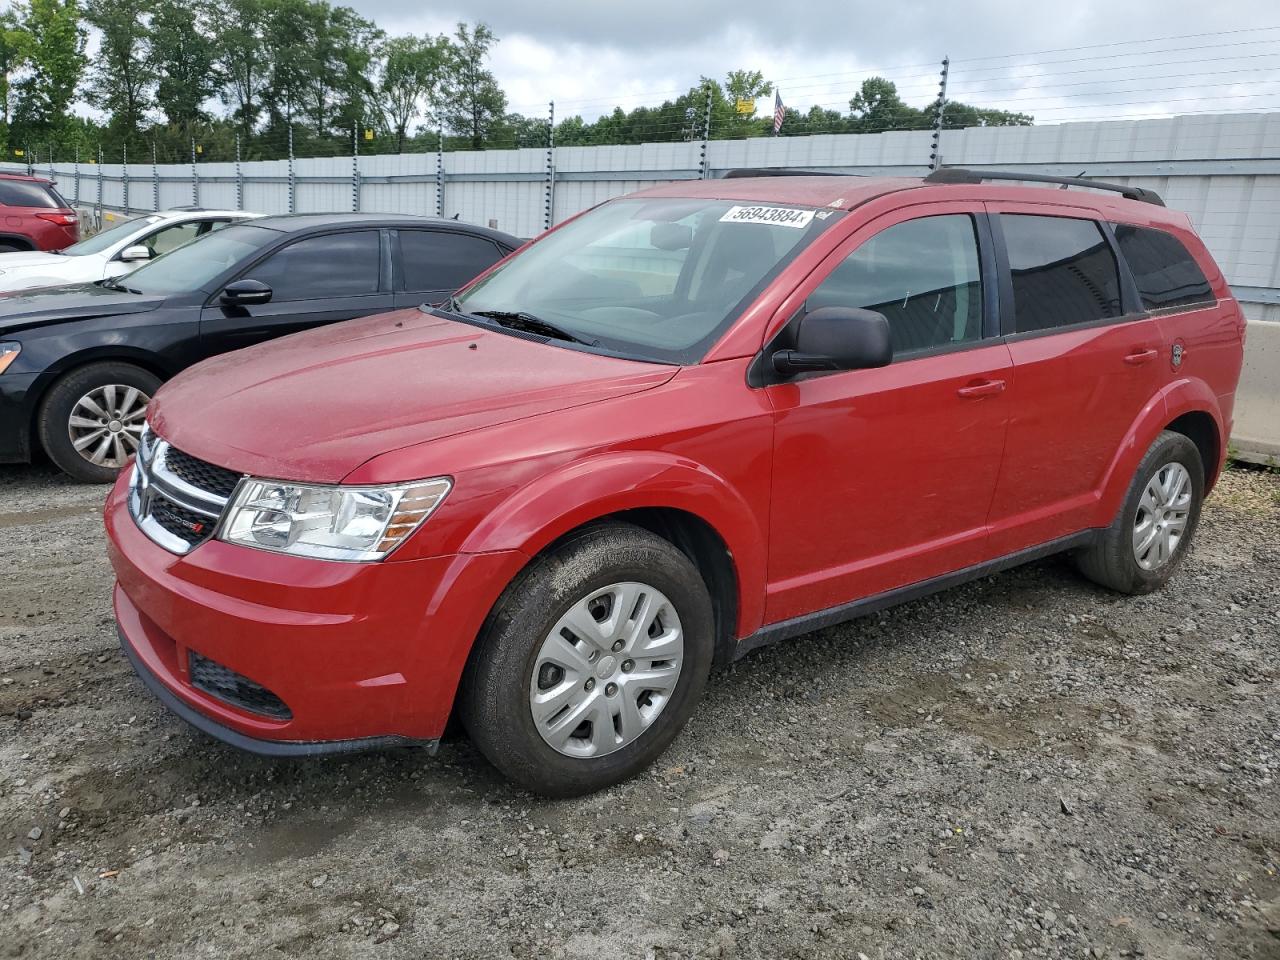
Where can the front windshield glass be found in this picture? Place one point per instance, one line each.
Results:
(195, 265)
(658, 278)
(105, 238)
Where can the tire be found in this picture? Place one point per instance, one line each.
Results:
(130, 387)
(1113, 560)
(11, 248)
(596, 571)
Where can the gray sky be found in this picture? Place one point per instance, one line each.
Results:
(591, 55)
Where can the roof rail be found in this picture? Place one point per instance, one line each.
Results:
(962, 175)
(742, 172)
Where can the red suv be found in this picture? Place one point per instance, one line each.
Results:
(688, 422)
(33, 215)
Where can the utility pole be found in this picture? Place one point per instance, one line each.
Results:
(935, 154)
(239, 178)
(355, 168)
(76, 173)
(124, 176)
(704, 163)
(548, 215)
(195, 176)
(155, 179)
(440, 172)
(293, 183)
(98, 202)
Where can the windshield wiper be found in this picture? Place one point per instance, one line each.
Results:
(527, 322)
(114, 283)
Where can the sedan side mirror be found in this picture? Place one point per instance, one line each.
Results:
(243, 293)
(837, 338)
(137, 252)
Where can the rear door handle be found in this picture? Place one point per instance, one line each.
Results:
(983, 388)
(1141, 357)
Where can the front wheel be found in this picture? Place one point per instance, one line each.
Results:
(1143, 547)
(91, 420)
(591, 662)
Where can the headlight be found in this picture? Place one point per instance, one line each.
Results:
(333, 523)
(8, 353)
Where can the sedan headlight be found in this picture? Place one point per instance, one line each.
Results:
(8, 353)
(332, 523)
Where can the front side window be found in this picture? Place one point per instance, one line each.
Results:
(441, 260)
(1166, 274)
(170, 238)
(1063, 269)
(923, 275)
(333, 265)
(655, 278)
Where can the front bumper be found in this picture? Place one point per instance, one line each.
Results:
(362, 654)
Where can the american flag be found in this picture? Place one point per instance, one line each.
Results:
(779, 112)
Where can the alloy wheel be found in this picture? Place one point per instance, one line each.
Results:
(606, 670)
(106, 424)
(1161, 520)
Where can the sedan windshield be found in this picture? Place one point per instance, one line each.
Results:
(657, 278)
(195, 265)
(103, 239)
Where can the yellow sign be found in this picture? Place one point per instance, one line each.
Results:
(18, 153)
(199, 148)
(368, 134)
(746, 106)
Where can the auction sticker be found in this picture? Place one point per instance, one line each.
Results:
(777, 216)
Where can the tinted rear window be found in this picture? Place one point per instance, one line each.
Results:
(1063, 269)
(440, 260)
(1164, 271)
(25, 193)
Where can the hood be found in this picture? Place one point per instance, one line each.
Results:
(316, 405)
(37, 308)
(28, 258)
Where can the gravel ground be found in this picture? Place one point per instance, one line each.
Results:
(1023, 767)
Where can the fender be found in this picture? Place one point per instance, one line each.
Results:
(1181, 396)
(598, 486)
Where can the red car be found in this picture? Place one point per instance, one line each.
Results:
(701, 418)
(34, 216)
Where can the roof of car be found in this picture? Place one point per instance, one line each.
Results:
(23, 176)
(845, 192)
(298, 222)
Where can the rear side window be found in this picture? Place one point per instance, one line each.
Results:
(336, 265)
(1164, 271)
(25, 193)
(1064, 272)
(440, 260)
(923, 275)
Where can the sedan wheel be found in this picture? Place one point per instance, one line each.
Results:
(106, 423)
(1162, 514)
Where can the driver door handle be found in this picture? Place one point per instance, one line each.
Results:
(1141, 357)
(983, 388)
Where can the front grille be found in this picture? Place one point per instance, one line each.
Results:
(176, 499)
(216, 480)
(182, 523)
(230, 687)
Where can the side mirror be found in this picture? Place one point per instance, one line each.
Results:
(244, 293)
(837, 338)
(137, 252)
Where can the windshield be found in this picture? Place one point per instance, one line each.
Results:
(105, 238)
(193, 266)
(657, 278)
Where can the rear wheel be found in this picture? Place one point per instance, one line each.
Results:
(591, 663)
(91, 419)
(1143, 547)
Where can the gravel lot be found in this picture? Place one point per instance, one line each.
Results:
(1023, 767)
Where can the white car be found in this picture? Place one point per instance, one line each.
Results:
(117, 249)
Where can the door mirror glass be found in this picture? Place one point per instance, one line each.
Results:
(837, 338)
(135, 253)
(245, 292)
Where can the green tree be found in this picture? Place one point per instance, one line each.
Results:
(52, 43)
(242, 59)
(471, 102)
(878, 108)
(412, 71)
(123, 75)
(182, 56)
(13, 45)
